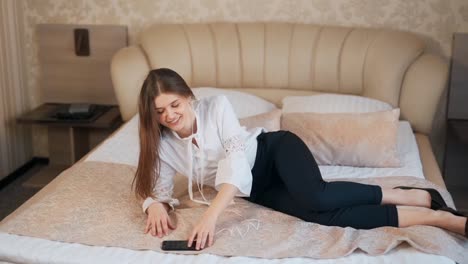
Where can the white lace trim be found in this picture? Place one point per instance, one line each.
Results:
(234, 144)
(149, 201)
(170, 201)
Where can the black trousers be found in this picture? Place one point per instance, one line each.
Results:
(286, 178)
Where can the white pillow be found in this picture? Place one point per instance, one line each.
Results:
(244, 104)
(333, 103)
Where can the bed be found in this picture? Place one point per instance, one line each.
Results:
(269, 62)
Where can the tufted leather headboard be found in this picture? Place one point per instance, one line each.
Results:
(274, 60)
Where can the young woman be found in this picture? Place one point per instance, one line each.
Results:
(204, 141)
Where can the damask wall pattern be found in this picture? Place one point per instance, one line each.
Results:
(434, 20)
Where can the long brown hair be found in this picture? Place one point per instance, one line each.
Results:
(158, 81)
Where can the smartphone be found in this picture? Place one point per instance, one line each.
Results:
(177, 245)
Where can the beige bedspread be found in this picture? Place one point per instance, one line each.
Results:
(91, 203)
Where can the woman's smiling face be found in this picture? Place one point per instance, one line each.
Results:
(174, 112)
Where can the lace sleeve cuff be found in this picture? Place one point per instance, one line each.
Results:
(170, 201)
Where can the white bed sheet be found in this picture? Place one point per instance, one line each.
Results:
(123, 148)
(19, 249)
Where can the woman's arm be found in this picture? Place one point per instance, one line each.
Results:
(158, 221)
(205, 229)
(233, 175)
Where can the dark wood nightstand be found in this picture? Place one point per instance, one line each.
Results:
(456, 150)
(69, 139)
(456, 162)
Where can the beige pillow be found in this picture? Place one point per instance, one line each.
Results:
(271, 121)
(348, 139)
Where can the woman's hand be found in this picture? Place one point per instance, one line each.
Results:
(158, 221)
(204, 231)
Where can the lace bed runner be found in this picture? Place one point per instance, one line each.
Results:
(92, 203)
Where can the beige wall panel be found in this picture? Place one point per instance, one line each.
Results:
(66, 77)
(78, 82)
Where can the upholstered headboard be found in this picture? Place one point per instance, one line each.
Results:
(273, 60)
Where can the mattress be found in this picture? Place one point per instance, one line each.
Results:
(122, 148)
(18, 249)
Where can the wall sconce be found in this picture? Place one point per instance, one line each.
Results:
(81, 42)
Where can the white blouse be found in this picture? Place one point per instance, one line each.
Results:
(225, 153)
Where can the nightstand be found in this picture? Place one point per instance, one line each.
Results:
(456, 148)
(456, 162)
(69, 139)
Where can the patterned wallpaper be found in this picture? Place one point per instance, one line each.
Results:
(434, 20)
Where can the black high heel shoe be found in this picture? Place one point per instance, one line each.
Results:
(453, 211)
(466, 228)
(437, 202)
